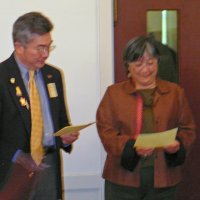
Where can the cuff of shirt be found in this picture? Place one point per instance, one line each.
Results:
(14, 158)
(65, 145)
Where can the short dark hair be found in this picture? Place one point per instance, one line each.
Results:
(30, 24)
(136, 47)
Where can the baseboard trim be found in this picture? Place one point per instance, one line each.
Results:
(82, 181)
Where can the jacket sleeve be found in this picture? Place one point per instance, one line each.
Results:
(186, 125)
(64, 118)
(108, 127)
(186, 132)
(129, 158)
(177, 158)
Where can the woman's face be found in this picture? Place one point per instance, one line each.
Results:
(144, 71)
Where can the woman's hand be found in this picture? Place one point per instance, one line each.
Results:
(173, 147)
(144, 152)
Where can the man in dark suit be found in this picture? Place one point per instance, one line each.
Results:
(32, 45)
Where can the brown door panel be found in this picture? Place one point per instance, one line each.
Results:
(131, 22)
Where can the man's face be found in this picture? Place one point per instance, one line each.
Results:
(34, 53)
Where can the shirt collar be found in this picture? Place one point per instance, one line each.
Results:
(24, 69)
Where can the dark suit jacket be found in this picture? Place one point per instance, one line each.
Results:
(15, 118)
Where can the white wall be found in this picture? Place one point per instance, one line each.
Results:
(83, 38)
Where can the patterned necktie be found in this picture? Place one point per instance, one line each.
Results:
(37, 150)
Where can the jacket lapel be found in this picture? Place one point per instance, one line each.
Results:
(18, 92)
(50, 86)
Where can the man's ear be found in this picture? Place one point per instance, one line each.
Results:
(19, 48)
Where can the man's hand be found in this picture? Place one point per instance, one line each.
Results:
(26, 161)
(69, 138)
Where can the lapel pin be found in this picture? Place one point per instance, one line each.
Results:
(23, 102)
(18, 91)
(12, 80)
(27, 106)
(49, 76)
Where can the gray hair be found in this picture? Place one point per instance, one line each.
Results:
(29, 25)
(137, 46)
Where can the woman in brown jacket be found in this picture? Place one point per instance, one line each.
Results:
(143, 104)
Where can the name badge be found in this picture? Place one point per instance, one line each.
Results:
(52, 90)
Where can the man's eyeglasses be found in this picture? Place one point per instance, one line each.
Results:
(43, 49)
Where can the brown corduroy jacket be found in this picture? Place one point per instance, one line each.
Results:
(116, 123)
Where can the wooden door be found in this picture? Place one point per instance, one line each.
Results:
(131, 22)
